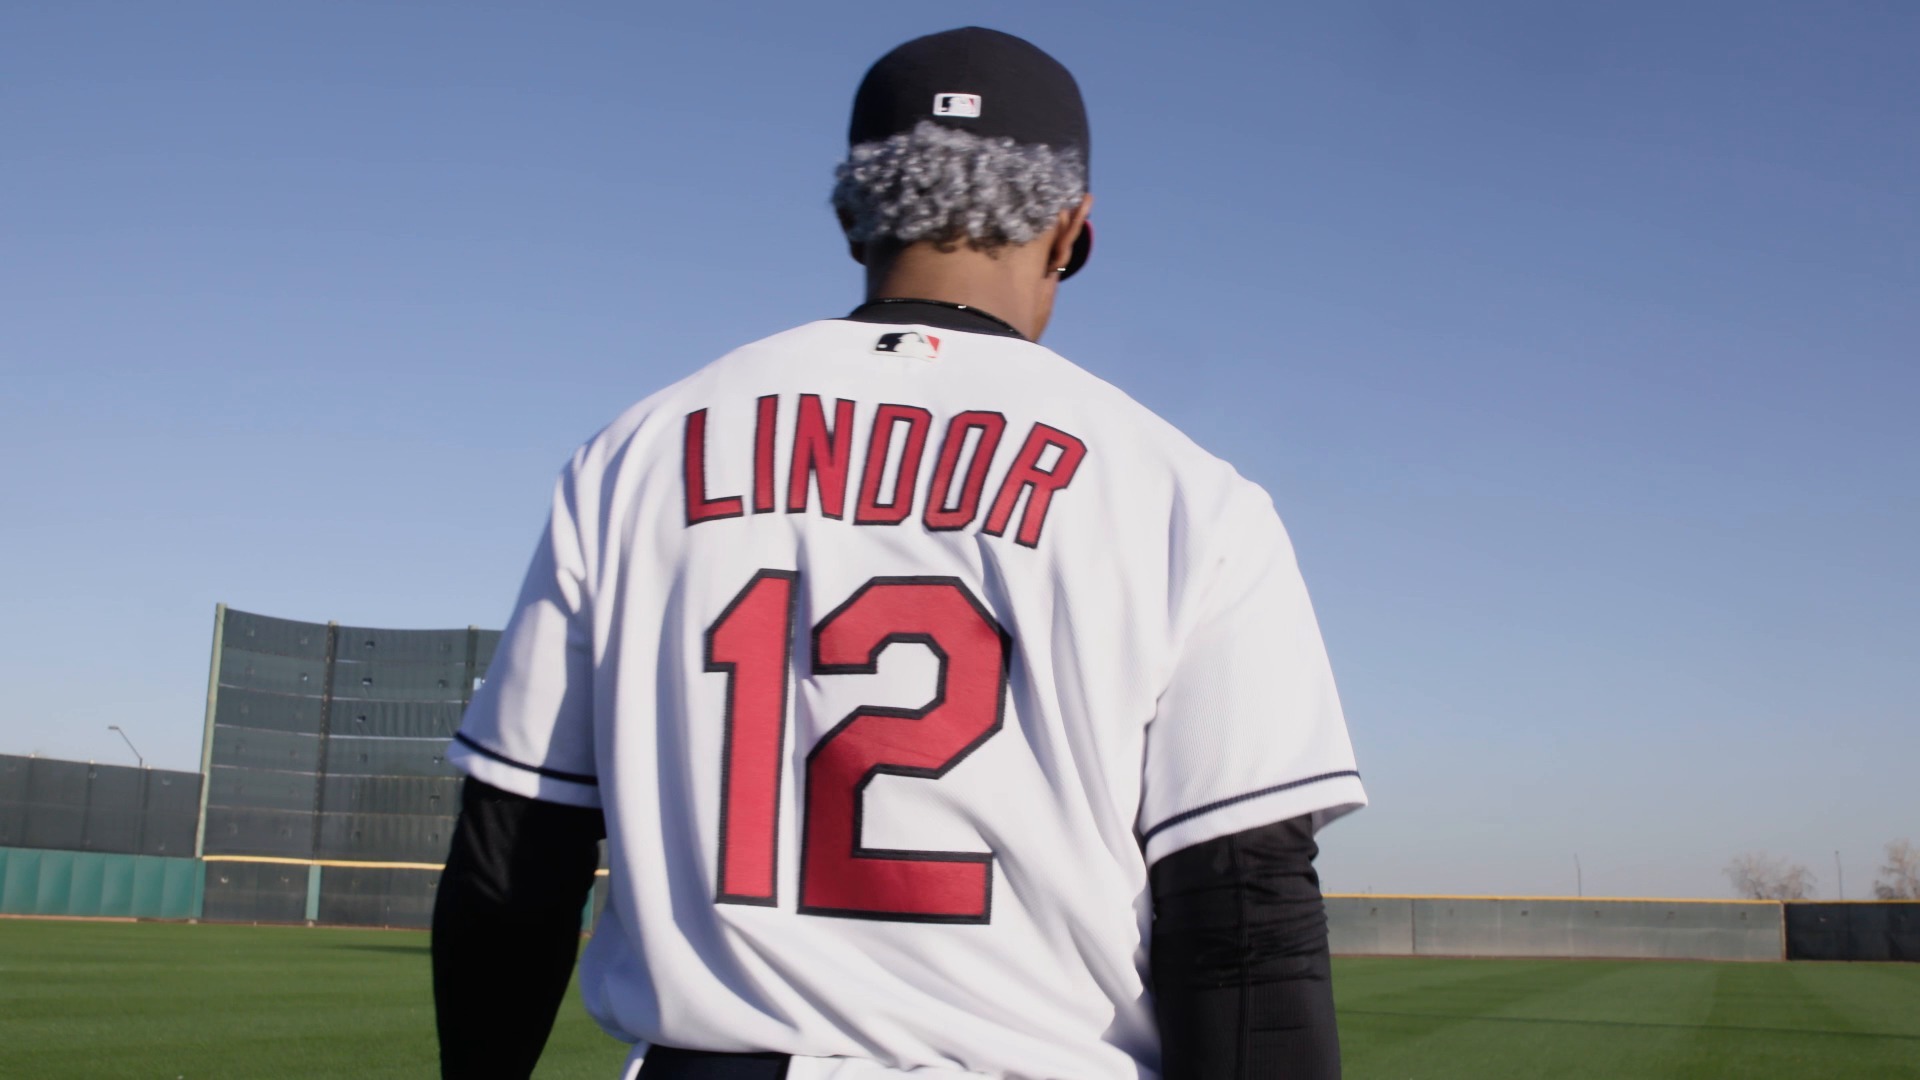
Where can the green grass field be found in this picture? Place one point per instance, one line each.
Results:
(101, 1000)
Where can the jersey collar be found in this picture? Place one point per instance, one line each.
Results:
(911, 311)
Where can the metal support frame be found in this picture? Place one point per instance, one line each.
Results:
(146, 785)
(473, 657)
(326, 736)
(206, 737)
(313, 892)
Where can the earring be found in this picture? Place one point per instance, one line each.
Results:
(1059, 269)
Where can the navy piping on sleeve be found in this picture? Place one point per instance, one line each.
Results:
(1189, 815)
(551, 774)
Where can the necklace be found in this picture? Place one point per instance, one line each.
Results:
(990, 317)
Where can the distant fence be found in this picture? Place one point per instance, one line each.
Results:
(81, 806)
(1556, 927)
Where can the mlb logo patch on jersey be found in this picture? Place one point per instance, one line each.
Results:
(966, 105)
(909, 343)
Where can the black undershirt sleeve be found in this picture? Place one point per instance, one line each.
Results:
(506, 928)
(1242, 979)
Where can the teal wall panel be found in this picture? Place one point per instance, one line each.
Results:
(116, 888)
(56, 883)
(21, 887)
(180, 885)
(89, 883)
(92, 883)
(147, 875)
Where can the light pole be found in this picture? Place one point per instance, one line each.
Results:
(130, 746)
(1579, 886)
(1838, 876)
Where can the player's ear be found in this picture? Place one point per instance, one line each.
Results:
(1067, 231)
(854, 247)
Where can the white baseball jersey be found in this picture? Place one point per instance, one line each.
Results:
(895, 655)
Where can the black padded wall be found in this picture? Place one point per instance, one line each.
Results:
(329, 742)
(264, 763)
(377, 896)
(80, 806)
(1858, 930)
(256, 892)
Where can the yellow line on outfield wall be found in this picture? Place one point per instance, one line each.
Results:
(277, 861)
(1331, 896)
(280, 861)
(1555, 899)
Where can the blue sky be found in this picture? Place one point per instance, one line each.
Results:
(1576, 345)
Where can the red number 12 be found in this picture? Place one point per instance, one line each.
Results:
(752, 642)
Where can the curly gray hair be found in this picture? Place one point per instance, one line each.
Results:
(945, 185)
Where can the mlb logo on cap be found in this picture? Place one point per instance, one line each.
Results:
(967, 105)
(910, 343)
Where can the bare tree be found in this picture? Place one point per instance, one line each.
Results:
(1900, 877)
(1759, 876)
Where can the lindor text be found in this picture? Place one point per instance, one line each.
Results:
(816, 457)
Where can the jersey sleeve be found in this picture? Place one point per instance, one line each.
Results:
(529, 729)
(1249, 730)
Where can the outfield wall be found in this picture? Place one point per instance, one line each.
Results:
(245, 889)
(336, 894)
(1556, 927)
(358, 894)
(1854, 930)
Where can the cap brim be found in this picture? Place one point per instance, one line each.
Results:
(1082, 251)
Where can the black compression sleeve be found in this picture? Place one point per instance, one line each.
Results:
(1242, 979)
(506, 928)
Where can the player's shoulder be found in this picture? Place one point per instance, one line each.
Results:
(1208, 499)
(668, 405)
(1147, 437)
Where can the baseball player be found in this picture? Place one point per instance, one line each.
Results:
(944, 711)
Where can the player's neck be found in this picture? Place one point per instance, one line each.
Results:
(1012, 284)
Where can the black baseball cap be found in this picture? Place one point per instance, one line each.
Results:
(978, 80)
